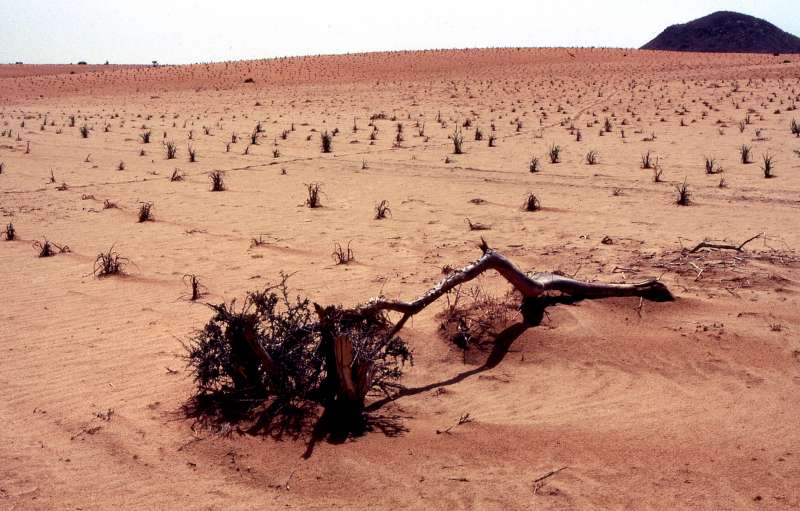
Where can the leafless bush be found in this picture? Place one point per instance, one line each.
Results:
(342, 255)
(382, 210)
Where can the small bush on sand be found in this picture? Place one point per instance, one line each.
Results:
(314, 195)
(10, 233)
(768, 166)
(745, 154)
(217, 180)
(684, 196)
(326, 142)
(382, 210)
(342, 255)
(171, 149)
(554, 153)
(145, 212)
(109, 263)
(531, 203)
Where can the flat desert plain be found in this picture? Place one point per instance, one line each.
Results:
(607, 404)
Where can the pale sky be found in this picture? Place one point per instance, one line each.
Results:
(187, 31)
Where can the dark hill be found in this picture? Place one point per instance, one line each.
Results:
(726, 32)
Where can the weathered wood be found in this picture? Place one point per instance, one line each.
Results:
(528, 286)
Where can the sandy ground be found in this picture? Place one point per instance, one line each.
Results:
(684, 405)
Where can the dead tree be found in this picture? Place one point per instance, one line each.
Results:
(530, 287)
(257, 353)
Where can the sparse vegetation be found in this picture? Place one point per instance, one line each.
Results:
(531, 203)
(458, 142)
(10, 233)
(684, 196)
(382, 210)
(327, 142)
(744, 154)
(342, 255)
(554, 153)
(109, 263)
(196, 289)
(217, 178)
(145, 212)
(768, 166)
(533, 164)
(313, 200)
(172, 150)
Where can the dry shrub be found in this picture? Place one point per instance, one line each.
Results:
(382, 210)
(109, 263)
(473, 318)
(270, 364)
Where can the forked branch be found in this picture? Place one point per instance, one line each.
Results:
(724, 246)
(529, 286)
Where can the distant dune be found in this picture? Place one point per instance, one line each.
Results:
(726, 32)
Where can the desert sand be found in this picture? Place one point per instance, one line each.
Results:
(691, 404)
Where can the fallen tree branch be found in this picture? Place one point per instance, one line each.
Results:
(529, 286)
(720, 246)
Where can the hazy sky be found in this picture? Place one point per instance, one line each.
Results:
(185, 31)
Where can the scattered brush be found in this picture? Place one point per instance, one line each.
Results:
(197, 290)
(684, 196)
(2, 167)
(217, 181)
(531, 203)
(121, 165)
(591, 157)
(258, 242)
(722, 183)
(109, 263)
(478, 134)
(458, 142)
(326, 142)
(554, 153)
(10, 233)
(107, 204)
(657, 174)
(745, 153)
(145, 136)
(712, 167)
(172, 149)
(342, 255)
(492, 140)
(84, 131)
(795, 128)
(145, 212)
(192, 154)
(768, 166)
(176, 176)
(314, 192)
(47, 248)
(533, 165)
(382, 209)
(647, 160)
